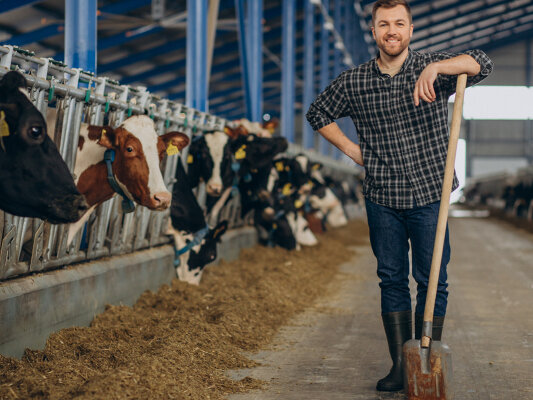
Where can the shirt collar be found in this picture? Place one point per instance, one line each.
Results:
(408, 61)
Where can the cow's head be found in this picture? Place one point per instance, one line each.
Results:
(258, 152)
(210, 160)
(323, 199)
(193, 262)
(271, 125)
(207, 253)
(301, 230)
(138, 153)
(289, 170)
(34, 179)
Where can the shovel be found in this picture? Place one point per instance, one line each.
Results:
(428, 364)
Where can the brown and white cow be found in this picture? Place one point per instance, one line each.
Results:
(265, 129)
(138, 153)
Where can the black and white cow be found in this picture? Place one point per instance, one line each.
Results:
(34, 179)
(257, 155)
(210, 159)
(319, 195)
(285, 181)
(194, 241)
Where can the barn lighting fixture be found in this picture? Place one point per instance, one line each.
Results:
(316, 2)
(328, 25)
(339, 46)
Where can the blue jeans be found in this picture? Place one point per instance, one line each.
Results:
(390, 232)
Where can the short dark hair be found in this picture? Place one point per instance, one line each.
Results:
(390, 4)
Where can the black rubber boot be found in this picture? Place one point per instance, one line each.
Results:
(398, 328)
(438, 324)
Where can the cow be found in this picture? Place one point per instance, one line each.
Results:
(194, 241)
(319, 196)
(209, 160)
(34, 180)
(257, 155)
(285, 181)
(136, 151)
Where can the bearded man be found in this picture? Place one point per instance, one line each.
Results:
(399, 105)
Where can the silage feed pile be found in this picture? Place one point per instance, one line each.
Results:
(179, 343)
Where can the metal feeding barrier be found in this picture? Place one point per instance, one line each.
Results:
(74, 96)
(68, 97)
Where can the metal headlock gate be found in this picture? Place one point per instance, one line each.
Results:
(29, 244)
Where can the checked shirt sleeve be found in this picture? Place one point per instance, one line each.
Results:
(450, 81)
(329, 105)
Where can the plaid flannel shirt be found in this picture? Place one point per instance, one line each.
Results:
(404, 146)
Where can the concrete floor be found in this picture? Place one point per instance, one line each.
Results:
(336, 349)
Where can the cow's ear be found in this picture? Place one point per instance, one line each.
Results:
(271, 125)
(103, 135)
(232, 133)
(219, 230)
(10, 109)
(316, 166)
(178, 139)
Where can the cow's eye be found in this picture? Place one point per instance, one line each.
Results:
(129, 149)
(35, 132)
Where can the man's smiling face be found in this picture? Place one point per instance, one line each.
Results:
(392, 30)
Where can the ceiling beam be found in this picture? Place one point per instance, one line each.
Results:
(8, 5)
(477, 34)
(40, 34)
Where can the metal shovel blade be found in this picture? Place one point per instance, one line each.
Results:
(427, 371)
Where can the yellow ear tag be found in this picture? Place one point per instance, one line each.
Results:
(227, 131)
(279, 166)
(171, 149)
(298, 203)
(241, 153)
(286, 191)
(316, 166)
(275, 226)
(310, 183)
(4, 127)
(190, 159)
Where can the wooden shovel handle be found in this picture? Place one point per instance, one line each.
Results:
(445, 199)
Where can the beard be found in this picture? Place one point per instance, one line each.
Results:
(395, 50)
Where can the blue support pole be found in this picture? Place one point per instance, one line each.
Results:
(80, 34)
(255, 58)
(287, 72)
(243, 49)
(338, 53)
(324, 68)
(309, 78)
(196, 77)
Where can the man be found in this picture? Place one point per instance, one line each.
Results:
(399, 105)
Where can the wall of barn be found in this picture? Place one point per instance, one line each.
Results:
(502, 145)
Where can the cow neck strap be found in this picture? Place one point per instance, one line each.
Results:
(127, 205)
(236, 167)
(307, 204)
(196, 240)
